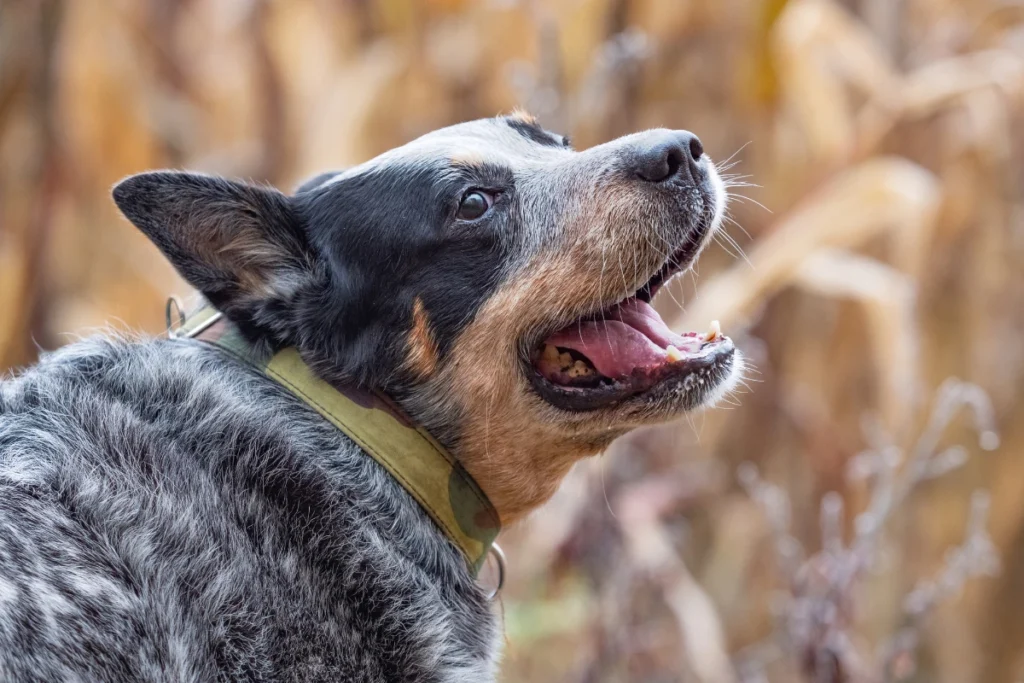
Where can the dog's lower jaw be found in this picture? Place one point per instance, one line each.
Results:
(519, 453)
(517, 447)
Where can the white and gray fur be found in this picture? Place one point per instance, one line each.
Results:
(168, 514)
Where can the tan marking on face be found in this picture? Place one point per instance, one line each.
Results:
(422, 358)
(467, 158)
(524, 116)
(518, 457)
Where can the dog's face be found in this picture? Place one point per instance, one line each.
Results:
(491, 278)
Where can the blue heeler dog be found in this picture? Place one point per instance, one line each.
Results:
(168, 512)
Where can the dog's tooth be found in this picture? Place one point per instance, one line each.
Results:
(715, 332)
(550, 353)
(673, 353)
(580, 369)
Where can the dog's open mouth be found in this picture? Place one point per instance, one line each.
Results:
(625, 350)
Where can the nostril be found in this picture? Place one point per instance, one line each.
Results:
(659, 163)
(696, 148)
(673, 160)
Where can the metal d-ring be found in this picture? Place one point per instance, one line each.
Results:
(499, 558)
(173, 306)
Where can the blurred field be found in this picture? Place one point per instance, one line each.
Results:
(885, 138)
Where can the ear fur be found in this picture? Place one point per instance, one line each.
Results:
(231, 240)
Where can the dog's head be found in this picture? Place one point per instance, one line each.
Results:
(492, 279)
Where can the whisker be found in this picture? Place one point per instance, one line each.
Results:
(745, 198)
(723, 235)
(733, 155)
(732, 221)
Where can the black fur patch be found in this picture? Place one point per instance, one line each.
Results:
(342, 264)
(390, 237)
(534, 132)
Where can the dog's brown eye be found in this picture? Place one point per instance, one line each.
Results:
(474, 205)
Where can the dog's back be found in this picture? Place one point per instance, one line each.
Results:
(168, 514)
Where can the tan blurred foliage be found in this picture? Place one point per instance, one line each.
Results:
(885, 137)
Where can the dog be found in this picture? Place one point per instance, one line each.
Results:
(170, 513)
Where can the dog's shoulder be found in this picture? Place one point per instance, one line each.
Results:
(151, 489)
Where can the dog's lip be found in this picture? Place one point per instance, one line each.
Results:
(630, 353)
(641, 380)
(679, 376)
(673, 265)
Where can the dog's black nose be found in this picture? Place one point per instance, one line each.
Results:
(667, 154)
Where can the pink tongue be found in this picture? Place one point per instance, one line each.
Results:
(641, 316)
(631, 335)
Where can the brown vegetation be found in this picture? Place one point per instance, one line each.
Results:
(884, 136)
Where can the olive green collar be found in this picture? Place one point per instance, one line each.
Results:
(421, 465)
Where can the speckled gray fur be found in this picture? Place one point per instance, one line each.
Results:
(166, 514)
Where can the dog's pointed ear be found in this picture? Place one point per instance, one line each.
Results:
(316, 181)
(233, 241)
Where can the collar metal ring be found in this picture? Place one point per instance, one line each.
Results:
(173, 307)
(499, 559)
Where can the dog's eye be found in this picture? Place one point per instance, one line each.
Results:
(474, 205)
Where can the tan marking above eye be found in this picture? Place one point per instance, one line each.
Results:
(422, 358)
(470, 158)
(524, 116)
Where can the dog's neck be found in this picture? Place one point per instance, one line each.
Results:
(518, 462)
(521, 470)
(371, 420)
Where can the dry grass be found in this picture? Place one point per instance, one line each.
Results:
(882, 135)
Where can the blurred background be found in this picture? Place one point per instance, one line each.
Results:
(854, 514)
